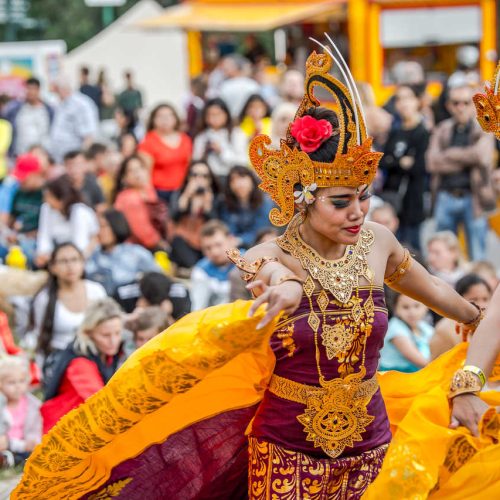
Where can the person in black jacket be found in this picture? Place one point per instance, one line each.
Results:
(404, 164)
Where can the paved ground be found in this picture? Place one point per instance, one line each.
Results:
(7, 485)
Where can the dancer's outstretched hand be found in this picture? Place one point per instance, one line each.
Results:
(279, 298)
(467, 410)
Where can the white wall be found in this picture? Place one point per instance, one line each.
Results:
(158, 59)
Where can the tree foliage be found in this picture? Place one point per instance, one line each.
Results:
(69, 20)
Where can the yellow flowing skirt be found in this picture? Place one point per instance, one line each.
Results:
(214, 361)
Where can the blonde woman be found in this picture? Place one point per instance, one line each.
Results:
(87, 364)
(444, 257)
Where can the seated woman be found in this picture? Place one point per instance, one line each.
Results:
(190, 209)
(88, 362)
(58, 308)
(63, 217)
(116, 263)
(137, 199)
(406, 344)
(244, 207)
(472, 288)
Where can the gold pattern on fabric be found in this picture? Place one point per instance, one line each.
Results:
(339, 277)
(169, 365)
(278, 473)
(488, 106)
(111, 491)
(336, 414)
(285, 334)
(459, 453)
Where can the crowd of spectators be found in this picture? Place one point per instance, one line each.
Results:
(131, 226)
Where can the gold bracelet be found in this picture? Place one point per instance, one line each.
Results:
(250, 269)
(476, 371)
(289, 277)
(401, 270)
(464, 382)
(470, 327)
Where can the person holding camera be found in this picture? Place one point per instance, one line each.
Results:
(221, 145)
(191, 208)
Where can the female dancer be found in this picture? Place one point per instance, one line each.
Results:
(171, 421)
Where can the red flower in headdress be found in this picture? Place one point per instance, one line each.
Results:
(310, 133)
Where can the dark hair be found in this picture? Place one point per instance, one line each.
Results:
(52, 287)
(155, 287)
(152, 116)
(122, 172)
(418, 89)
(465, 283)
(84, 70)
(213, 227)
(71, 155)
(250, 100)
(118, 224)
(232, 201)
(327, 151)
(95, 149)
(62, 189)
(264, 232)
(214, 183)
(131, 118)
(33, 81)
(220, 104)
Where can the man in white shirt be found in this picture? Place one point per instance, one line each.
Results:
(30, 119)
(238, 86)
(76, 121)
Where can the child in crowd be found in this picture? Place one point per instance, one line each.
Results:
(406, 345)
(150, 322)
(386, 216)
(210, 276)
(444, 257)
(21, 411)
(473, 288)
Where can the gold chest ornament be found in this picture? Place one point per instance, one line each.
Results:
(336, 412)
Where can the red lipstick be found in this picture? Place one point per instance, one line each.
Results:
(353, 229)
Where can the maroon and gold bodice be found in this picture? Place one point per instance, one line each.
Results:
(344, 414)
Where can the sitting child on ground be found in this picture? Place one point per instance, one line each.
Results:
(150, 322)
(406, 345)
(21, 411)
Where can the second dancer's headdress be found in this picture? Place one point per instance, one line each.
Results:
(354, 163)
(488, 105)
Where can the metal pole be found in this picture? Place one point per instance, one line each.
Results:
(10, 25)
(108, 15)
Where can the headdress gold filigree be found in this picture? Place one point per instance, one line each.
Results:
(488, 105)
(354, 163)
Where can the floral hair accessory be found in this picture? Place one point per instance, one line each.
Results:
(306, 194)
(310, 133)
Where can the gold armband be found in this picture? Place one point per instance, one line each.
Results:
(289, 277)
(465, 382)
(401, 270)
(250, 269)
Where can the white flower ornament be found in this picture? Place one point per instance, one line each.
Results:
(306, 194)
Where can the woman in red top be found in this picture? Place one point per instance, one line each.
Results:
(166, 150)
(86, 365)
(136, 198)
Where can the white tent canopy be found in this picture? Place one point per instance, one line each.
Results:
(158, 59)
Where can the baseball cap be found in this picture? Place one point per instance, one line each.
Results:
(26, 164)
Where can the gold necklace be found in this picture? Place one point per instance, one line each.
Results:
(340, 277)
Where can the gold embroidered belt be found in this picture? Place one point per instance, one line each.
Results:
(336, 412)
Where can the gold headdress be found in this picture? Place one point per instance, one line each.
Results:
(353, 165)
(488, 105)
